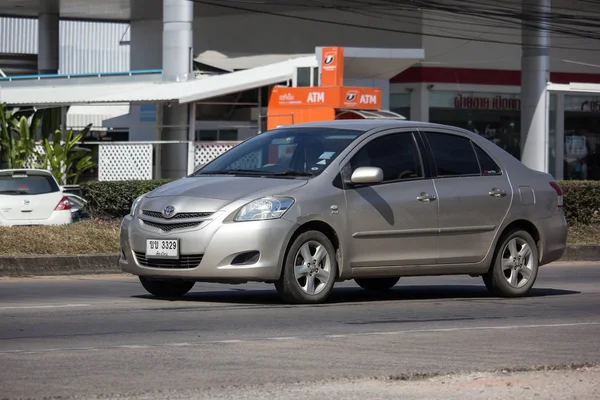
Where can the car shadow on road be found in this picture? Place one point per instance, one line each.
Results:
(351, 295)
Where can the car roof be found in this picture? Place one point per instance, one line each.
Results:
(368, 124)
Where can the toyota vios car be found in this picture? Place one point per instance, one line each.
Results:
(309, 205)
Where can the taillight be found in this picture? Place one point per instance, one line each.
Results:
(63, 204)
(559, 192)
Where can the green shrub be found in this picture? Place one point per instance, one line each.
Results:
(113, 199)
(581, 202)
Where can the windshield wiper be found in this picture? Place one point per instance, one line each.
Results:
(259, 173)
(234, 172)
(293, 173)
(13, 192)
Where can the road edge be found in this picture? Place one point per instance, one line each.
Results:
(93, 264)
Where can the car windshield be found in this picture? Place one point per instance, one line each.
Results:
(283, 152)
(23, 183)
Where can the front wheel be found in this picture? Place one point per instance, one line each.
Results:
(166, 288)
(309, 269)
(377, 284)
(515, 267)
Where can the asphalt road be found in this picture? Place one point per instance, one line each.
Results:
(104, 335)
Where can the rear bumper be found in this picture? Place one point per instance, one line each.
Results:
(553, 237)
(56, 218)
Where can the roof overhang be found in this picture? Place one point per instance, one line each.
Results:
(575, 87)
(374, 63)
(63, 92)
(369, 114)
(236, 62)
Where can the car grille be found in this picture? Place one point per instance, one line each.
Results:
(155, 214)
(183, 262)
(170, 227)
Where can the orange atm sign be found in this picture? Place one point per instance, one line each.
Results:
(334, 97)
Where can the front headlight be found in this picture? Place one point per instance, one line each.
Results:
(135, 205)
(265, 208)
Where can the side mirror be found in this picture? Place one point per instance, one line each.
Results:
(367, 175)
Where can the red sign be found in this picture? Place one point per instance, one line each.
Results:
(487, 103)
(332, 67)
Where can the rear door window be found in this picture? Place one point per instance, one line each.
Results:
(488, 165)
(21, 183)
(453, 155)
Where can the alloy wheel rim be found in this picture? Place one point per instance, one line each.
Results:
(517, 262)
(312, 267)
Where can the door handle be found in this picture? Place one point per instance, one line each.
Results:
(425, 197)
(497, 192)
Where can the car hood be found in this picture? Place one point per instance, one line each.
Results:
(226, 188)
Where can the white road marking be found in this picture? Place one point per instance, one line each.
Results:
(44, 306)
(291, 338)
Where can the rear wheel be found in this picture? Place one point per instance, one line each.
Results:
(167, 287)
(515, 267)
(309, 269)
(377, 284)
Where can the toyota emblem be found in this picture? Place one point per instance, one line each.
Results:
(168, 212)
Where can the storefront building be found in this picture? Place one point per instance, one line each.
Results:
(489, 103)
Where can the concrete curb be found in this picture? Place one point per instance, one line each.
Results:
(85, 264)
(582, 252)
(46, 265)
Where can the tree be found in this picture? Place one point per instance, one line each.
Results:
(17, 136)
(62, 158)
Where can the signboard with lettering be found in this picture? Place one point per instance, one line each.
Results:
(334, 97)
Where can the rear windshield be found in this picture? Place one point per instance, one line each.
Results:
(21, 183)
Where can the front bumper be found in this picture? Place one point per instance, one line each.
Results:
(218, 243)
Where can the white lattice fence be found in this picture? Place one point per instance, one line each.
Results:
(206, 152)
(34, 160)
(121, 162)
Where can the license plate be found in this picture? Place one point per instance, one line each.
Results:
(162, 248)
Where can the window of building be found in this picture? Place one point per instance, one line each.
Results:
(495, 116)
(453, 155)
(217, 135)
(396, 154)
(400, 104)
(582, 138)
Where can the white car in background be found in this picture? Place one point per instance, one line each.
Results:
(32, 197)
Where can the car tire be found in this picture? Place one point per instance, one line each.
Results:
(515, 265)
(166, 288)
(377, 284)
(308, 281)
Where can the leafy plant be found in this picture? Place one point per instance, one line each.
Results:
(62, 157)
(581, 202)
(18, 129)
(112, 199)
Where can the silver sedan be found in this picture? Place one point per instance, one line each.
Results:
(309, 205)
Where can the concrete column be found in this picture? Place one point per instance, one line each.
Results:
(560, 137)
(48, 38)
(177, 58)
(535, 74)
(419, 103)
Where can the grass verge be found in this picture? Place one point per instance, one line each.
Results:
(102, 237)
(86, 237)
